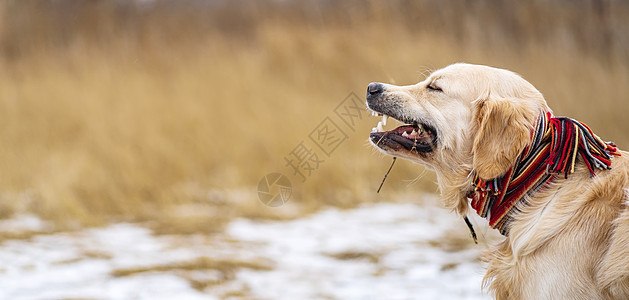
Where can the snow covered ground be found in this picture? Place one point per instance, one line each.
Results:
(379, 251)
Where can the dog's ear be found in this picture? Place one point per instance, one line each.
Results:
(502, 129)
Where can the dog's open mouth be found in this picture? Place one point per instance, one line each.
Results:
(414, 136)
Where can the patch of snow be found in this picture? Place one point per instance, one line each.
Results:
(400, 235)
(59, 266)
(399, 254)
(24, 222)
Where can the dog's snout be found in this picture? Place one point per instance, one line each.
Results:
(374, 89)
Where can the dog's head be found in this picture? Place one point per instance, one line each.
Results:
(463, 115)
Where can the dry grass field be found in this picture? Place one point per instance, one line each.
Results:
(172, 111)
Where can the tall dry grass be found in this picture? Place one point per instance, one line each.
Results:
(124, 110)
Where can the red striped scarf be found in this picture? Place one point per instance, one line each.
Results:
(556, 145)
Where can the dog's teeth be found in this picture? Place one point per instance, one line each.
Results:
(374, 129)
(414, 132)
(373, 114)
(404, 134)
(380, 126)
(384, 120)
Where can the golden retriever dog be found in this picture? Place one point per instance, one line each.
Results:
(550, 185)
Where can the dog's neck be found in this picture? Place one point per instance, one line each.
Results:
(556, 145)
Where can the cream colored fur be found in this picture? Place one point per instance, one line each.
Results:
(572, 239)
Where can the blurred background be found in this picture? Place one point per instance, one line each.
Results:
(170, 112)
(125, 108)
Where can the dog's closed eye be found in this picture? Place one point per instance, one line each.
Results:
(433, 87)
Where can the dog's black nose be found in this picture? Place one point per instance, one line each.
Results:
(374, 89)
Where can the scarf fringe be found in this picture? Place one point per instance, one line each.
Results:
(556, 145)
